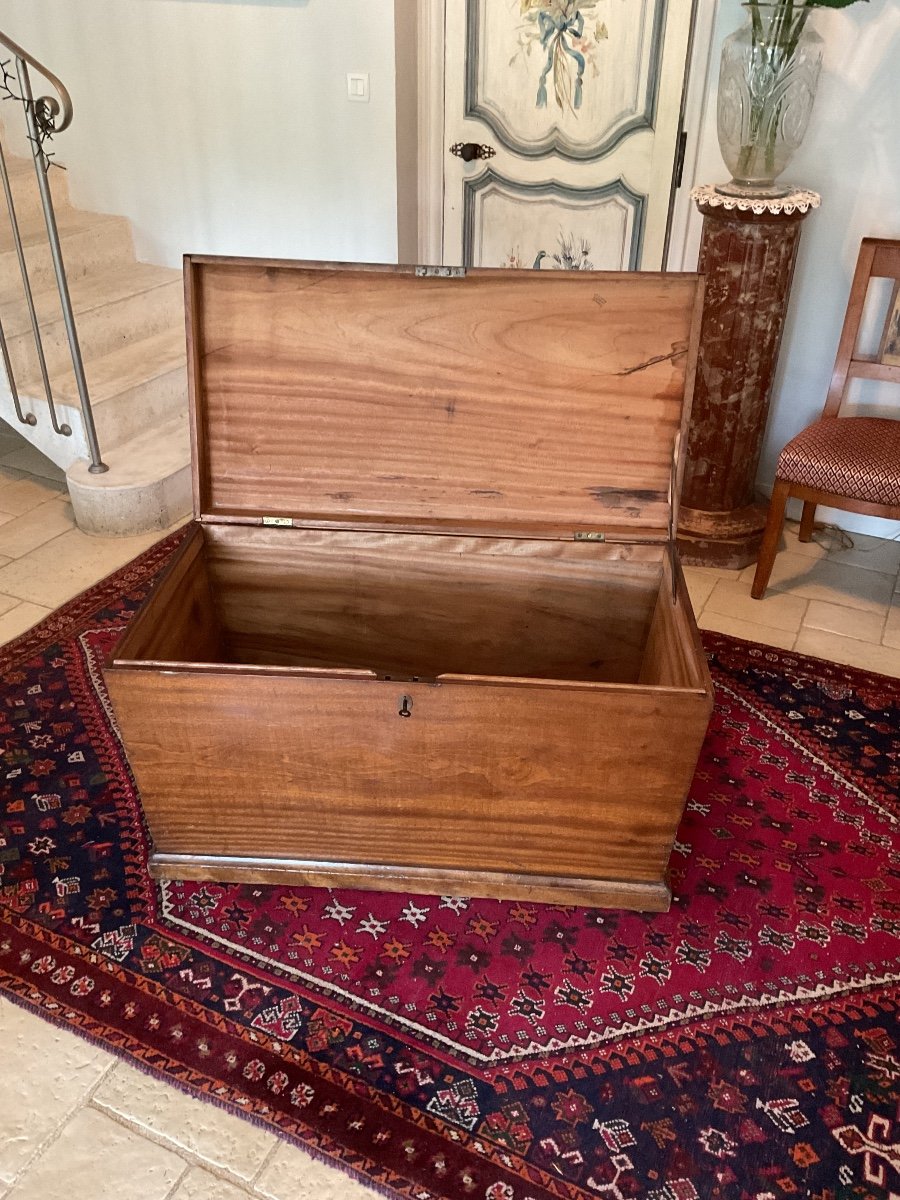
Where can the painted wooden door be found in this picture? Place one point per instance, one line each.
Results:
(580, 102)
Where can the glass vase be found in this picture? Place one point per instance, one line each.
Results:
(767, 84)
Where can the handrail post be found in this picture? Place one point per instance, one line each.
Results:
(65, 430)
(29, 418)
(97, 465)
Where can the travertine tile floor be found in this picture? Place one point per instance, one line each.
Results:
(74, 1120)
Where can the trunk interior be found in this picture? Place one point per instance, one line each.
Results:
(410, 606)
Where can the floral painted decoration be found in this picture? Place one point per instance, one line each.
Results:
(559, 29)
(572, 255)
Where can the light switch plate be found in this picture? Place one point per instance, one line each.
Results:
(358, 87)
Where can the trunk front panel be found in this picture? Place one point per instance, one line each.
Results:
(570, 782)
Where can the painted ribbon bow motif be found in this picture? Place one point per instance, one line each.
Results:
(557, 28)
(554, 31)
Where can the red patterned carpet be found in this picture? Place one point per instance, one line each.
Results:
(743, 1045)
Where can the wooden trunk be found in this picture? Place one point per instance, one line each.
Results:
(428, 631)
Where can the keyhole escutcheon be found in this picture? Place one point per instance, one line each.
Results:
(405, 706)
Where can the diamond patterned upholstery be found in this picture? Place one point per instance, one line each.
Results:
(856, 457)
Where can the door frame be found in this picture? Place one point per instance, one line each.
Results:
(684, 220)
(430, 70)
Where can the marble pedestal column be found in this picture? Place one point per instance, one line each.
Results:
(747, 255)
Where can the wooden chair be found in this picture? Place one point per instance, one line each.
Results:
(852, 463)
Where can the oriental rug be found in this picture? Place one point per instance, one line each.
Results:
(743, 1045)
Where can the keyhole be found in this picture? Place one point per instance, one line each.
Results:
(405, 706)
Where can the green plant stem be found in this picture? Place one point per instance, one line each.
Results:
(796, 34)
(775, 47)
(757, 23)
(784, 14)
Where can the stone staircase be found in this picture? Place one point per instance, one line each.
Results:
(130, 321)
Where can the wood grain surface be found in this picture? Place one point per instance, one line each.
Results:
(179, 621)
(507, 396)
(673, 655)
(500, 885)
(582, 783)
(407, 604)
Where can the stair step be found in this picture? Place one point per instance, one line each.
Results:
(90, 241)
(111, 308)
(132, 388)
(130, 323)
(34, 232)
(18, 164)
(119, 370)
(26, 196)
(147, 486)
(88, 292)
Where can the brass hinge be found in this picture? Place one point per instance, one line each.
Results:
(582, 535)
(440, 272)
(278, 521)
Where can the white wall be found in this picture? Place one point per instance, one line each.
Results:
(851, 155)
(224, 127)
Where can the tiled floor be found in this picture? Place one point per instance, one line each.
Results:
(825, 599)
(76, 1121)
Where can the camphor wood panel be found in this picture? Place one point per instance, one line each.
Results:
(673, 655)
(502, 885)
(491, 777)
(407, 604)
(350, 600)
(179, 623)
(336, 393)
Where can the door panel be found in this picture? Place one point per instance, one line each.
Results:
(549, 225)
(541, 80)
(580, 102)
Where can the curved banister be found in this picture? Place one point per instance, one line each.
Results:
(53, 108)
(44, 116)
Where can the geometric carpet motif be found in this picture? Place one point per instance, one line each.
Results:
(744, 1044)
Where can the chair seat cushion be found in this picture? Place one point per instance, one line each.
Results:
(856, 457)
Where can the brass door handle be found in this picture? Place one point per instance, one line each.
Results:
(470, 151)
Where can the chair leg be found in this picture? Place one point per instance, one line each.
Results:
(771, 536)
(807, 521)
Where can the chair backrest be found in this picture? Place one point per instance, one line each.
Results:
(878, 259)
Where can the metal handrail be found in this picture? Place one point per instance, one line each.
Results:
(48, 104)
(41, 119)
(31, 419)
